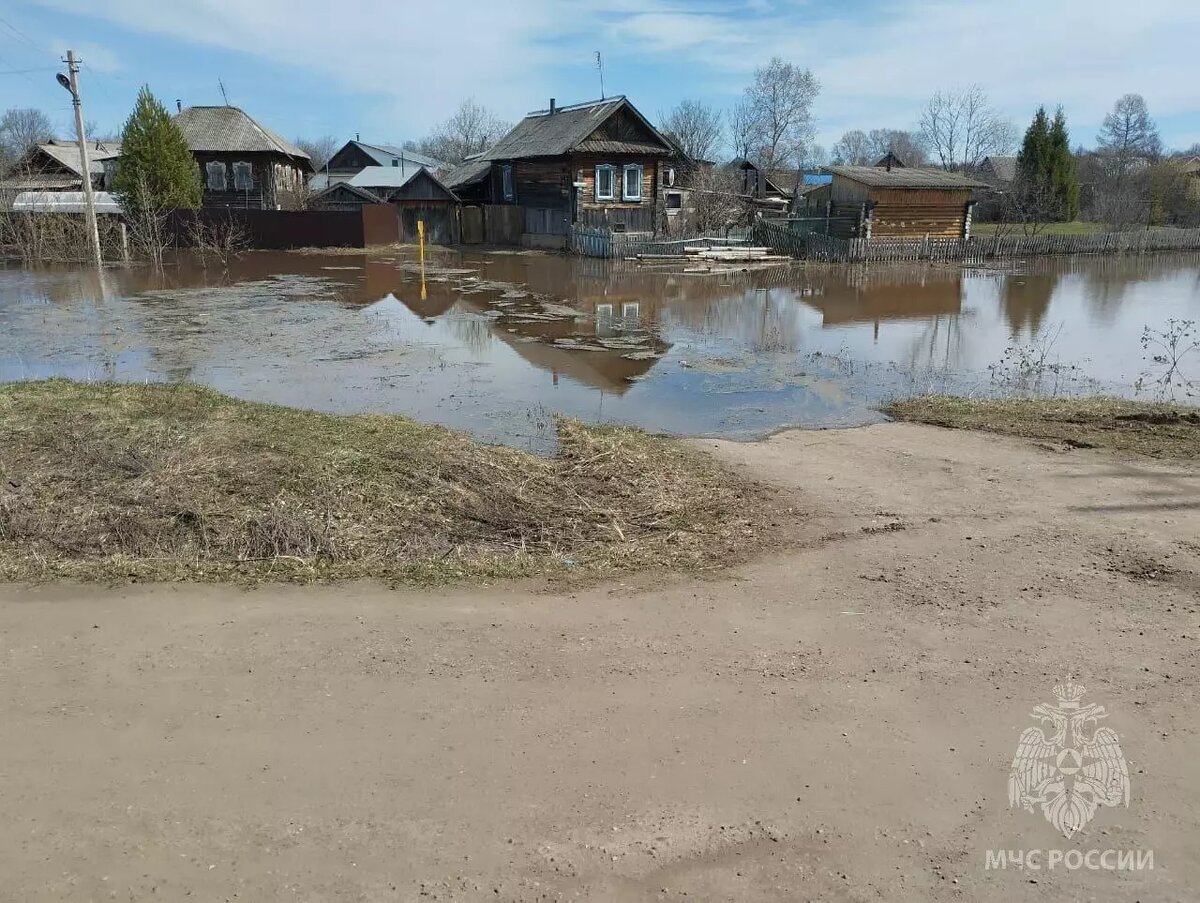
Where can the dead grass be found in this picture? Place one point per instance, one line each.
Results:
(121, 482)
(1144, 428)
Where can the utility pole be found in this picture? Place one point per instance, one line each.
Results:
(71, 83)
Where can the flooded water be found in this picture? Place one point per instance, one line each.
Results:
(497, 343)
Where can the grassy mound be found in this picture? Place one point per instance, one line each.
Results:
(122, 482)
(1145, 428)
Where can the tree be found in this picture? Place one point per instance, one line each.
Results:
(778, 114)
(743, 129)
(20, 129)
(696, 127)
(319, 150)
(156, 165)
(854, 149)
(962, 128)
(472, 129)
(1128, 137)
(908, 146)
(1064, 176)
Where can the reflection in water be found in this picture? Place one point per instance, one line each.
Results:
(500, 338)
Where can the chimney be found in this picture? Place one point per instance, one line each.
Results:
(357, 136)
(178, 105)
(552, 108)
(889, 161)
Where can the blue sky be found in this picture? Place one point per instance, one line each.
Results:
(390, 69)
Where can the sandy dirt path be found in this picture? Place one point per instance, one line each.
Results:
(833, 722)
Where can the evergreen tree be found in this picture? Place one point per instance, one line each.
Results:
(1064, 180)
(156, 168)
(1033, 161)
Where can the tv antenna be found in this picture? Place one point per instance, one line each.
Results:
(600, 66)
(221, 85)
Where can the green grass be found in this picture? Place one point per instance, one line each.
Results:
(1145, 428)
(143, 482)
(1074, 228)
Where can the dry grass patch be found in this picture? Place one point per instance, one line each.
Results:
(120, 482)
(1158, 430)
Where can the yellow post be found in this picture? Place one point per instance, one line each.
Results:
(421, 246)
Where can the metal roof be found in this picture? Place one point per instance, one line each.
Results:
(64, 202)
(368, 196)
(546, 134)
(230, 129)
(383, 154)
(368, 177)
(908, 177)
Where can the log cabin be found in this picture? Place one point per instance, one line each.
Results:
(242, 163)
(901, 203)
(598, 164)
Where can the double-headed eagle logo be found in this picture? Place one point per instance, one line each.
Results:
(1069, 766)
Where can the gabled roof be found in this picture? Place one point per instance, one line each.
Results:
(384, 154)
(362, 193)
(369, 177)
(1004, 168)
(909, 177)
(568, 129)
(230, 129)
(66, 154)
(373, 188)
(470, 173)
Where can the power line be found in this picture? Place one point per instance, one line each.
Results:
(24, 37)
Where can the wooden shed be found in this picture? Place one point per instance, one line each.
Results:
(902, 203)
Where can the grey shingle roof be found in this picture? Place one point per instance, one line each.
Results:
(66, 153)
(231, 129)
(467, 174)
(1003, 168)
(546, 134)
(908, 177)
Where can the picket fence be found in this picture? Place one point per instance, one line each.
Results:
(814, 246)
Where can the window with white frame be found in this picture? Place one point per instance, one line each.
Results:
(243, 176)
(604, 182)
(217, 180)
(506, 181)
(633, 182)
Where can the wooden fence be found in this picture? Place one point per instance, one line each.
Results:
(589, 241)
(814, 246)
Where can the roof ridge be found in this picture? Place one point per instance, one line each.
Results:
(577, 106)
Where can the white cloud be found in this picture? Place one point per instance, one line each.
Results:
(878, 60)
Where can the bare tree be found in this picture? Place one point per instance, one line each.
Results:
(909, 147)
(743, 129)
(1128, 137)
(696, 127)
(20, 129)
(218, 239)
(146, 218)
(854, 149)
(780, 102)
(962, 128)
(472, 129)
(715, 202)
(319, 150)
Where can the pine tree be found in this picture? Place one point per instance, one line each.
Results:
(1033, 161)
(1064, 181)
(156, 166)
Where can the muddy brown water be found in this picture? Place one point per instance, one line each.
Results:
(496, 343)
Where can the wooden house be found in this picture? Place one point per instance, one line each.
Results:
(999, 172)
(904, 203)
(379, 170)
(242, 163)
(769, 190)
(58, 166)
(598, 164)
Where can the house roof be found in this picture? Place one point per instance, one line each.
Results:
(230, 129)
(66, 153)
(784, 179)
(567, 129)
(469, 173)
(363, 193)
(383, 154)
(1004, 168)
(369, 177)
(908, 177)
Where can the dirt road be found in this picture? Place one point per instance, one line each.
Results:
(834, 722)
